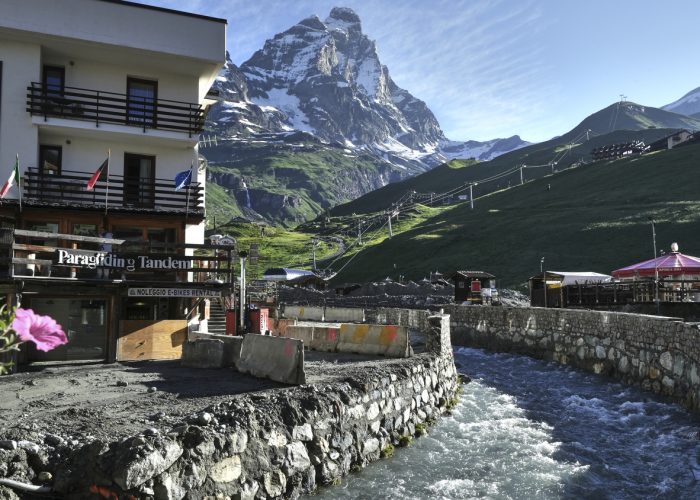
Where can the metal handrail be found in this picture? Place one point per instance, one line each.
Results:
(112, 107)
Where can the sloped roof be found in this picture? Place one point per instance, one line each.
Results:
(472, 275)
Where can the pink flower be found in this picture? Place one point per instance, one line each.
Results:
(42, 330)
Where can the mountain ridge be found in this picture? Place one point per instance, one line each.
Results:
(688, 105)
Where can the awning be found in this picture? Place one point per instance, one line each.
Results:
(672, 264)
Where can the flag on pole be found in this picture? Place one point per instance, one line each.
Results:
(14, 178)
(98, 173)
(183, 179)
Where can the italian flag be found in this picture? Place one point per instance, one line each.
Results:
(14, 178)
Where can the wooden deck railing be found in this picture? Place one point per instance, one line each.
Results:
(38, 254)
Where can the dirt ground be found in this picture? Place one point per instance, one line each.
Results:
(81, 402)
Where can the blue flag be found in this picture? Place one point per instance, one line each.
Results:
(183, 179)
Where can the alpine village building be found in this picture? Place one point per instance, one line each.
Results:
(102, 226)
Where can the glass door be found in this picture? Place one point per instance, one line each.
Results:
(141, 102)
(139, 180)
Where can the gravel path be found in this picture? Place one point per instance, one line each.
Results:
(84, 401)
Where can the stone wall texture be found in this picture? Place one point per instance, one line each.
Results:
(276, 444)
(657, 353)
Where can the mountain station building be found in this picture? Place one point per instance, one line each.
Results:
(101, 107)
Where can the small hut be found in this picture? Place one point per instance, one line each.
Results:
(469, 284)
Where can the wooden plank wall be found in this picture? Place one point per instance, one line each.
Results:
(146, 340)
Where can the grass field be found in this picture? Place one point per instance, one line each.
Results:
(594, 218)
(278, 247)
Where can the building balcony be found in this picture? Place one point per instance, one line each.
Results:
(69, 190)
(100, 107)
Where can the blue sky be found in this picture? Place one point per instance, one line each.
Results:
(495, 68)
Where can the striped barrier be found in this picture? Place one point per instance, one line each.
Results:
(276, 358)
(386, 340)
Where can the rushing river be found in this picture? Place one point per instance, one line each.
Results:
(530, 429)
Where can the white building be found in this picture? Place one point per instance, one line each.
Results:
(81, 80)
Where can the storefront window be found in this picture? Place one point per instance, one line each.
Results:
(83, 320)
(133, 236)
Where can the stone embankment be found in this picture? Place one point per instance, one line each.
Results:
(271, 444)
(659, 354)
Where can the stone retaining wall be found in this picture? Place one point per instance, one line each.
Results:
(271, 444)
(657, 353)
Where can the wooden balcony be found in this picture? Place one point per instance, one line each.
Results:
(69, 190)
(48, 256)
(109, 107)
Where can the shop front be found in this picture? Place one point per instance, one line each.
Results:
(116, 300)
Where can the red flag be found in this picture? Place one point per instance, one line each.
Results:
(96, 176)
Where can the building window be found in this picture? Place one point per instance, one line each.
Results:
(84, 322)
(141, 102)
(50, 160)
(139, 180)
(54, 80)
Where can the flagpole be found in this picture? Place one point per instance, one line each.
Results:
(187, 202)
(19, 183)
(109, 154)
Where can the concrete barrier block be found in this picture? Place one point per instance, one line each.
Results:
(386, 340)
(344, 314)
(232, 345)
(325, 338)
(278, 327)
(203, 353)
(303, 333)
(310, 313)
(276, 358)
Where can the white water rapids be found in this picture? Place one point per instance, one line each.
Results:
(530, 429)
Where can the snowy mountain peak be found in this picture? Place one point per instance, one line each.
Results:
(343, 19)
(325, 78)
(688, 105)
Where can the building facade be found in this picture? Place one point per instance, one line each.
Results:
(113, 94)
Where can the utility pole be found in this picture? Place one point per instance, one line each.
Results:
(656, 268)
(552, 165)
(314, 242)
(359, 231)
(544, 280)
(391, 232)
(522, 180)
(471, 194)
(241, 321)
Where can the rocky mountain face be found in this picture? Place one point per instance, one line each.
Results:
(688, 105)
(325, 79)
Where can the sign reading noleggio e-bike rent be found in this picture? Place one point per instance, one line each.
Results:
(173, 292)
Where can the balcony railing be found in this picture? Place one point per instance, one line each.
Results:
(70, 189)
(109, 107)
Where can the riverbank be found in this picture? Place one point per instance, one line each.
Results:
(526, 428)
(275, 441)
(659, 354)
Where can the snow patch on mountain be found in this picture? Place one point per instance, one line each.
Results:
(483, 151)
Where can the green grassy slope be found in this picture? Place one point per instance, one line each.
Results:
(594, 218)
(458, 172)
(313, 177)
(278, 247)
